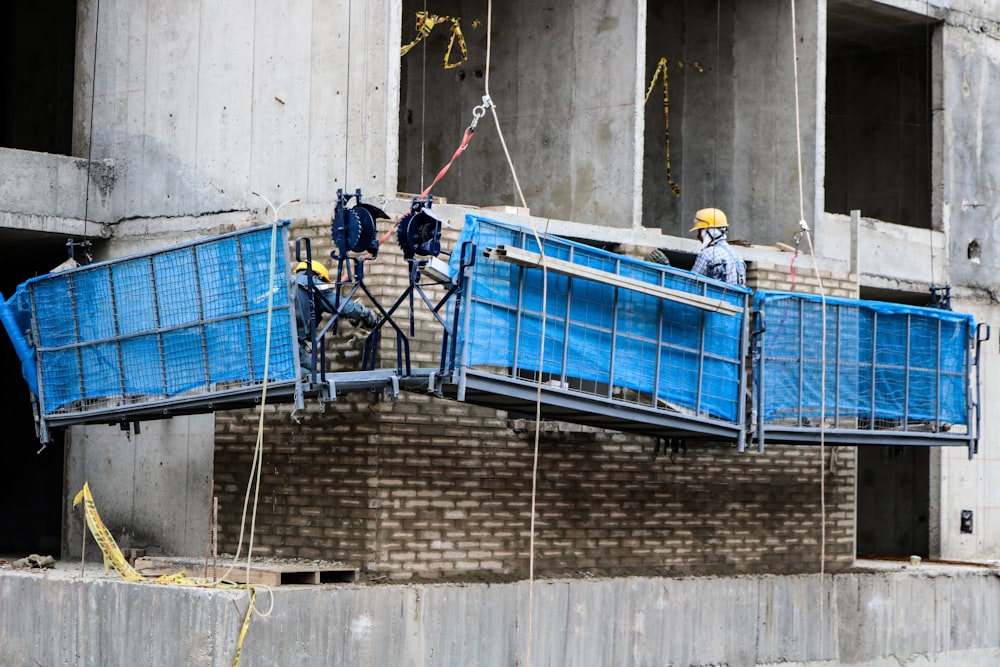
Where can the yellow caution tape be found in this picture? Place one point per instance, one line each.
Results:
(114, 557)
(426, 23)
(661, 67)
(246, 626)
(112, 554)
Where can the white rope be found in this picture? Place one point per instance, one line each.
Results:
(496, 119)
(822, 444)
(253, 481)
(822, 364)
(347, 105)
(541, 347)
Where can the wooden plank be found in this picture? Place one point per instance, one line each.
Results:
(266, 574)
(533, 260)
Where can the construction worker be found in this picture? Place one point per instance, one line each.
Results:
(354, 312)
(717, 259)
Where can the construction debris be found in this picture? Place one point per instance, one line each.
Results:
(34, 561)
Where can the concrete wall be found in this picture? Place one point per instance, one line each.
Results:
(152, 487)
(969, 158)
(200, 103)
(881, 619)
(765, 168)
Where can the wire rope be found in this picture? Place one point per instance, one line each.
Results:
(715, 116)
(90, 132)
(929, 134)
(423, 105)
(347, 99)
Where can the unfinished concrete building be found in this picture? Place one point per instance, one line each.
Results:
(132, 126)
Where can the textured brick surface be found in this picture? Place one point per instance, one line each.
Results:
(429, 488)
(801, 277)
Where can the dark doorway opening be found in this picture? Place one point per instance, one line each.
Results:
(893, 501)
(32, 491)
(894, 482)
(37, 59)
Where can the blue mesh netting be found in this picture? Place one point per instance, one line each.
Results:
(597, 338)
(884, 361)
(16, 317)
(188, 320)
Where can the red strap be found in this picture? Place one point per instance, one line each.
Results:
(444, 170)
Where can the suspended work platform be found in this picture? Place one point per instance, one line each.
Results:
(529, 324)
(599, 338)
(192, 328)
(852, 372)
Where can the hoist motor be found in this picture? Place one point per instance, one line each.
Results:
(353, 228)
(419, 231)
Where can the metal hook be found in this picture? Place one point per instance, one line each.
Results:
(480, 111)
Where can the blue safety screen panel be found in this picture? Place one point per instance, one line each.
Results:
(887, 366)
(600, 339)
(190, 320)
(16, 317)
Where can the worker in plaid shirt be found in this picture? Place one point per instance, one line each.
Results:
(717, 259)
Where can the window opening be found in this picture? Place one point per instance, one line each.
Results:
(878, 113)
(37, 59)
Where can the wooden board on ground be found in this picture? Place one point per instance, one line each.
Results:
(264, 574)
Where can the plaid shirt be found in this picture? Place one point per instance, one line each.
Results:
(721, 262)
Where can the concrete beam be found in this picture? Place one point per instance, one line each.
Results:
(51, 190)
(32, 223)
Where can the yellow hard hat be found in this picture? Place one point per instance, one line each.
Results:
(317, 268)
(707, 218)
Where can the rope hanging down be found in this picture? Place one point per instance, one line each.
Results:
(426, 23)
(661, 69)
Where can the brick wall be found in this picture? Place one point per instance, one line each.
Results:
(802, 277)
(430, 488)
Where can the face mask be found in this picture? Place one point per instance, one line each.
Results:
(710, 236)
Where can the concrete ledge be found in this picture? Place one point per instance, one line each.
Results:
(48, 186)
(925, 616)
(46, 224)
